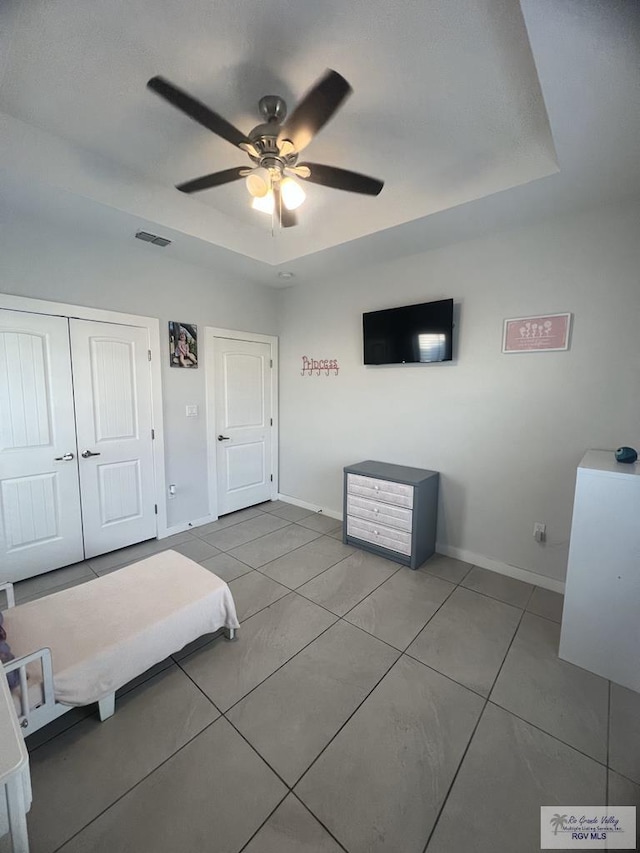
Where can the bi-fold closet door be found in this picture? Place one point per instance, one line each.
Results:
(76, 453)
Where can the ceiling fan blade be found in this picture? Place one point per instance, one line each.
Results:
(214, 180)
(314, 110)
(286, 218)
(199, 112)
(341, 179)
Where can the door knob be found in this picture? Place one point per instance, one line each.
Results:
(223, 438)
(66, 458)
(87, 453)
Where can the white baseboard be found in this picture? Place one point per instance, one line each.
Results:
(312, 507)
(458, 554)
(501, 568)
(186, 525)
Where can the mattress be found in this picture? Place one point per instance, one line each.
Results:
(105, 632)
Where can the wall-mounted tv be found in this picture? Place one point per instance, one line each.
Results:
(411, 334)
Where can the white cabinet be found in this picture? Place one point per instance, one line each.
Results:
(601, 617)
(391, 510)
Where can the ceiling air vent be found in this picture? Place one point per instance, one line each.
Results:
(152, 238)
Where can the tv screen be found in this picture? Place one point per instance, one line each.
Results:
(411, 334)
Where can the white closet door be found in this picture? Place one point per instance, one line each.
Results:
(243, 423)
(40, 520)
(112, 384)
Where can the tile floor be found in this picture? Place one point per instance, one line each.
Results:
(365, 708)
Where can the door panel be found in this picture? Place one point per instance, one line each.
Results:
(243, 418)
(40, 520)
(112, 385)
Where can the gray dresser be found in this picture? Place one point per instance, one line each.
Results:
(391, 510)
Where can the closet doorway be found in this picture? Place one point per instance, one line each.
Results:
(76, 451)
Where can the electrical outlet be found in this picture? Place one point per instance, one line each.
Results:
(540, 531)
(172, 491)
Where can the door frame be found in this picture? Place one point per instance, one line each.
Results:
(211, 332)
(152, 325)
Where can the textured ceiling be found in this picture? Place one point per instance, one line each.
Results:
(447, 108)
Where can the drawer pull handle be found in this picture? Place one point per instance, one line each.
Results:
(376, 509)
(376, 532)
(376, 487)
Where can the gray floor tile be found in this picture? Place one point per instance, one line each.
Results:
(124, 556)
(227, 521)
(294, 714)
(270, 506)
(509, 771)
(321, 523)
(291, 829)
(380, 783)
(238, 534)
(197, 549)
(269, 639)
(156, 669)
(401, 607)
(446, 568)
(253, 592)
(562, 699)
(546, 603)
(336, 534)
(226, 567)
(80, 773)
(344, 585)
(623, 792)
(291, 512)
(468, 638)
(299, 566)
(200, 643)
(506, 589)
(274, 545)
(624, 743)
(61, 724)
(42, 592)
(42, 584)
(175, 539)
(212, 795)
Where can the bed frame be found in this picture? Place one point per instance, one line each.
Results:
(31, 716)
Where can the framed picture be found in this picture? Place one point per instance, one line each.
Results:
(183, 344)
(543, 333)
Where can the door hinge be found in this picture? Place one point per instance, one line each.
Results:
(272, 478)
(270, 362)
(153, 434)
(155, 508)
(271, 419)
(149, 354)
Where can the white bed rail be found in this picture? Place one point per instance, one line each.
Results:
(7, 588)
(32, 718)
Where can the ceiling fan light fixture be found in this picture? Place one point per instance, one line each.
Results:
(264, 203)
(292, 193)
(258, 183)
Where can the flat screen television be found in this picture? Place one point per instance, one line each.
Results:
(411, 334)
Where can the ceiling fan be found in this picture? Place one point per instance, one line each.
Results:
(274, 146)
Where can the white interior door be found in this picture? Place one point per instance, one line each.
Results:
(40, 519)
(243, 425)
(112, 384)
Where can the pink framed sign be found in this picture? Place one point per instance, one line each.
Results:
(543, 333)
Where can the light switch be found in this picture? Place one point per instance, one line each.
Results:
(192, 411)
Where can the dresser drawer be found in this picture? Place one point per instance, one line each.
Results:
(399, 494)
(380, 513)
(379, 534)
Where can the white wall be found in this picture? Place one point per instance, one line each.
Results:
(46, 262)
(505, 431)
